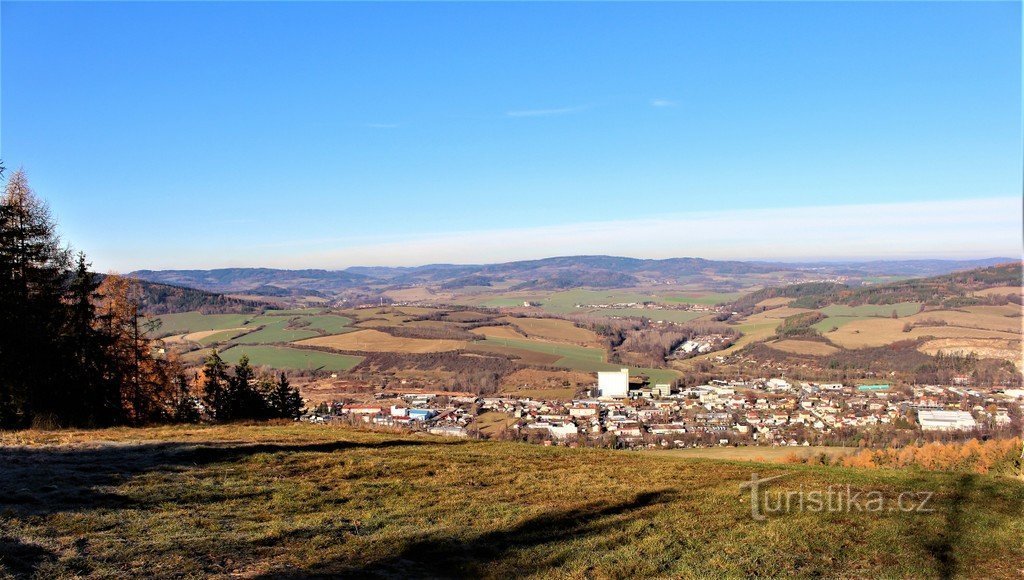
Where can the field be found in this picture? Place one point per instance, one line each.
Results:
(564, 302)
(187, 322)
(902, 309)
(553, 329)
(750, 453)
(282, 357)
(376, 341)
(298, 500)
(804, 347)
(498, 332)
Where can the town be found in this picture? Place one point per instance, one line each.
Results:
(630, 414)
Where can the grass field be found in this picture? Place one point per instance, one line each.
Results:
(282, 357)
(804, 347)
(553, 329)
(902, 309)
(276, 331)
(376, 341)
(709, 299)
(751, 453)
(186, 322)
(299, 500)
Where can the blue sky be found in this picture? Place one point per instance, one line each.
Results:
(333, 134)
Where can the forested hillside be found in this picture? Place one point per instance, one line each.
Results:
(949, 290)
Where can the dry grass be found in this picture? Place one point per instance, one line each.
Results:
(984, 348)
(752, 453)
(498, 332)
(377, 341)
(199, 336)
(554, 329)
(1001, 291)
(773, 302)
(804, 347)
(300, 500)
(882, 331)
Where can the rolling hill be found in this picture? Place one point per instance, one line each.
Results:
(545, 274)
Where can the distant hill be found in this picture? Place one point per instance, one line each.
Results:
(549, 273)
(167, 299)
(947, 290)
(255, 279)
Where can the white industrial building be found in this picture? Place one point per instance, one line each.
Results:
(931, 420)
(613, 384)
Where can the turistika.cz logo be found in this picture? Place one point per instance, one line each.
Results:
(833, 499)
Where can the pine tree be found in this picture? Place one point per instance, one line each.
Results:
(285, 400)
(246, 401)
(33, 280)
(215, 388)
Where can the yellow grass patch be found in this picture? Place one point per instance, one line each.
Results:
(197, 336)
(1001, 291)
(804, 347)
(554, 329)
(773, 302)
(498, 332)
(377, 341)
(882, 331)
(983, 347)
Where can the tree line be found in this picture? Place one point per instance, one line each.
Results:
(75, 350)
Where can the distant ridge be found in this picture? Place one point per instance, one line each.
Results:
(548, 273)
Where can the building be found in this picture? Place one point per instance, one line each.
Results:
(613, 384)
(931, 420)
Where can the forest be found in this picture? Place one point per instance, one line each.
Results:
(74, 349)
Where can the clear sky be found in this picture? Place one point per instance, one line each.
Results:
(332, 134)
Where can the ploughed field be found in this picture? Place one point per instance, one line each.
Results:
(296, 499)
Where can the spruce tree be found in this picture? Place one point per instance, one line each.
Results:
(33, 282)
(216, 396)
(285, 400)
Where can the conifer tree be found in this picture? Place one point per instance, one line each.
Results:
(215, 388)
(285, 400)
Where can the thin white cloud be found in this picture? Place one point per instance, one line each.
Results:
(662, 103)
(941, 229)
(543, 112)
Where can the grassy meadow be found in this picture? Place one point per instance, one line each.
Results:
(298, 500)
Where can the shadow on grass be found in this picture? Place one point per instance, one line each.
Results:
(20, 559)
(433, 556)
(43, 481)
(944, 547)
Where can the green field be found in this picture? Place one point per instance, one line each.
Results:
(220, 337)
(709, 299)
(297, 500)
(184, 322)
(285, 358)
